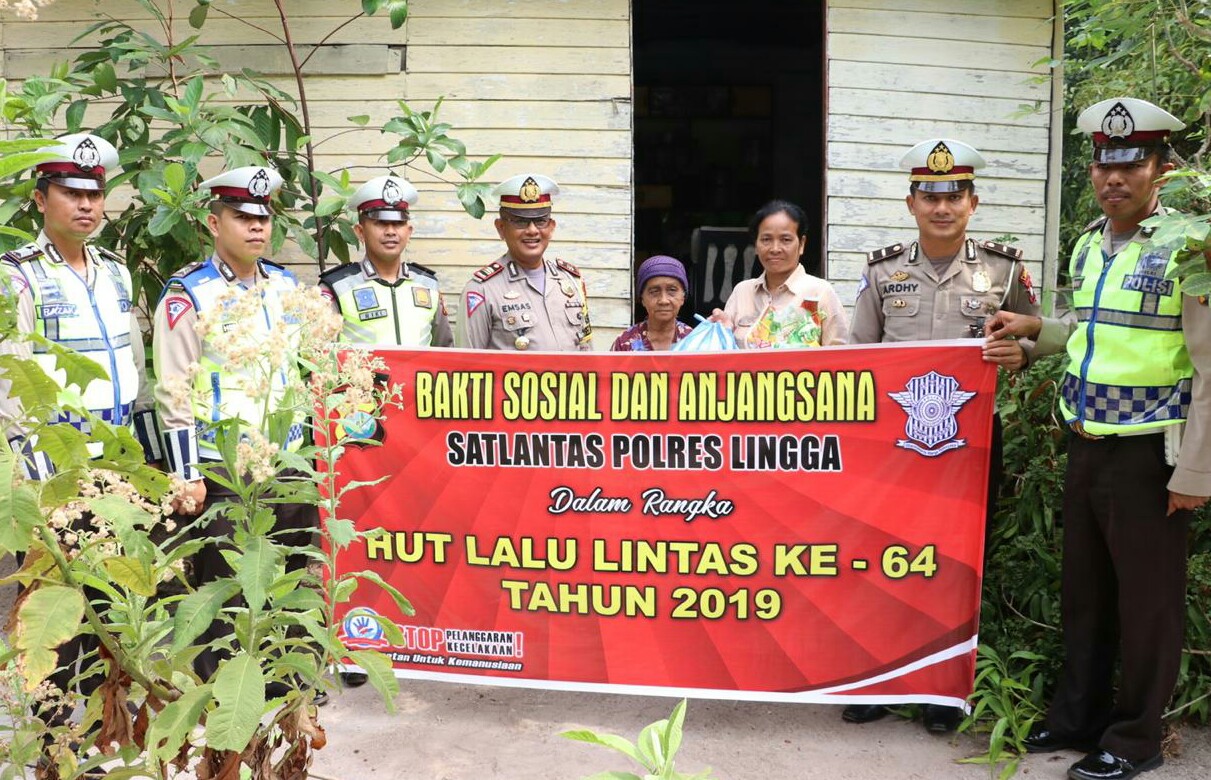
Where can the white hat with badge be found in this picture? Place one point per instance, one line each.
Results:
(385, 198)
(1127, 129)
(942, 165)
(248, 189)
(527, 194)
(81, 161)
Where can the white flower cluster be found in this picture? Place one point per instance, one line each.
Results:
(254, 457)
(24, 9)
(76, 534)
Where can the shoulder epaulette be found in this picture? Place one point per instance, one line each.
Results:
(1095, 224)
(422, 270)
(272, 264)
(22, 254)
(487, 272)
(109, 254)
(338, 272)
(564, 265)
(187, 270)
(882, 254)
(1012, 252)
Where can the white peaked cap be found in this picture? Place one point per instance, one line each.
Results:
(248, 189)
(82, 160)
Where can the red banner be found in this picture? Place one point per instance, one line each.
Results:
(772, 525)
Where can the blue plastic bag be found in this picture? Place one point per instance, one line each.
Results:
(707, 336)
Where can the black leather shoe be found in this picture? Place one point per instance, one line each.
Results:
(863, 713)
(1103, 765)
(1043, 740)
(353, 679)
(939, 719)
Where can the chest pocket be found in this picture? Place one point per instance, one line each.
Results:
(575, 312)
(518, 317)
(901, 305)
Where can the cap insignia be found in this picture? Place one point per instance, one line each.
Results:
(1118, 122)
(259, 186)
(86, 155)
(391, 193)
(530, 191)
(940, 160)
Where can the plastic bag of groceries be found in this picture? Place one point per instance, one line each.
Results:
(707, 336)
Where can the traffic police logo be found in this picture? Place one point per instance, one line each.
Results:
(1118, 122)
(86, 156)
(931, 402)
(529, 191)
(259, 186)
(391, 193)
(474, 301)
(940, 160)
(175, 307)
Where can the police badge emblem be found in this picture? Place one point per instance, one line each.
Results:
(899, 276)
(940, 160)
(86, 157)
(530, 191)
(1118, 122)
(391, 193)
(981, 282)
(931, 402)
(259, 186)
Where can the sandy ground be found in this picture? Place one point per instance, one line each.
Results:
(446, 731)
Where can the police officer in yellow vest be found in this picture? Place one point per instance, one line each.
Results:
(1139, 358)
(239, 222)
(523, 300)
(80, 296)
(383, 299)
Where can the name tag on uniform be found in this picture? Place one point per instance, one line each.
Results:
(365, 298)
(52, 310)
(376, 314)
(421, 298)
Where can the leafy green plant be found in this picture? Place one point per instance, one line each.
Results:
(655, 750)
(1008, 696)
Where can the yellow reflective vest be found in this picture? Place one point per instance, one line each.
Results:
(1128, 370)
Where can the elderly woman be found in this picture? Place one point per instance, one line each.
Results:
(662, 289)
(784, 307)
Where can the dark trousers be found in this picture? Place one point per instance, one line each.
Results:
(299, 521)
(1123, 594)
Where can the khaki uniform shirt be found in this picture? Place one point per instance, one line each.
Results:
(501, 309)
(902, 298)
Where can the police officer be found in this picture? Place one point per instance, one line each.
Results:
(942, 285)
(239, 221)
(383, 299)
(1139, 358)
(524, 301)
(78, 295)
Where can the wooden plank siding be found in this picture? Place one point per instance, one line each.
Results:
(546, 83)
(903, 71)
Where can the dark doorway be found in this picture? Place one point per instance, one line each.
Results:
(730, 112)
